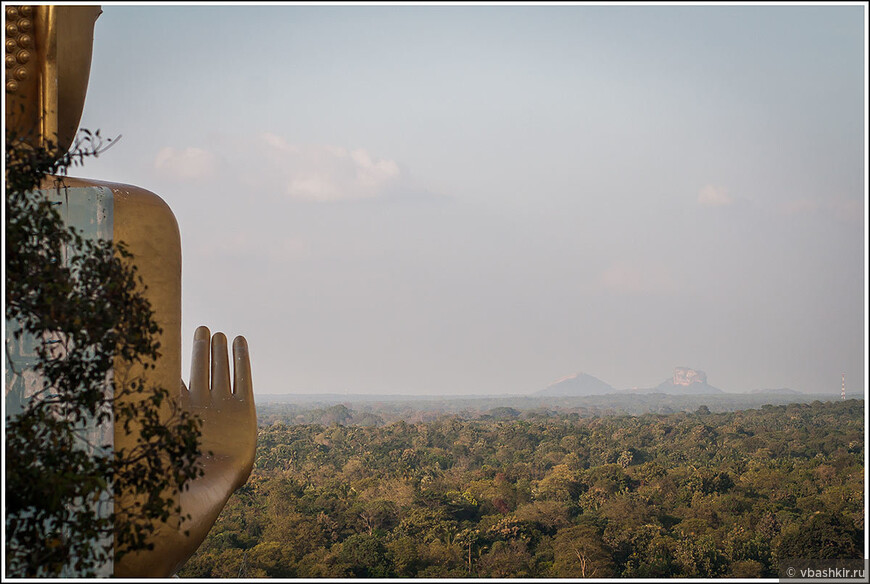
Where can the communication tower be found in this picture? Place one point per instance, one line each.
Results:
(843, 394)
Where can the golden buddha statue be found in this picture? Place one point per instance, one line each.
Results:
(48, 59)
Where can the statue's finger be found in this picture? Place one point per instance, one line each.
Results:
(220, 368)
(199, 393)
(243, 386)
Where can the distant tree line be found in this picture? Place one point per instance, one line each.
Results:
(682, 495)
(353, 410)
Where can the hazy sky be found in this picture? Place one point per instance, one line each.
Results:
(481, 199)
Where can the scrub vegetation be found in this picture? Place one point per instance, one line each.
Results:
(524, 494)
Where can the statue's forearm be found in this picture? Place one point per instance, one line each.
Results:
(176, 541)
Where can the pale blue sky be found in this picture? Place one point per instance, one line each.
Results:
(482, 199)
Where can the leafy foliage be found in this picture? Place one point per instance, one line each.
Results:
(701, 495)
(81, 300)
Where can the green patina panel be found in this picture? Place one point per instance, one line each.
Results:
(90, 210)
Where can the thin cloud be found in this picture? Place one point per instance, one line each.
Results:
(189, 164)
(714, 196)
(329, 173)
(268, 162)
(277, 142)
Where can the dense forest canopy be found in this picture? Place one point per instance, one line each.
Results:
(697, 494)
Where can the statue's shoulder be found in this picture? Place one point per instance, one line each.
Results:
(140, 217)
(121, 191)
(134, 207)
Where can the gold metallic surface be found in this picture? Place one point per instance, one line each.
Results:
(145, 223)
(48, 53)
(47, 64)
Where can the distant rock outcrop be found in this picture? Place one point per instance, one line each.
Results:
(687, 381)
(686, 376)
(577, 384)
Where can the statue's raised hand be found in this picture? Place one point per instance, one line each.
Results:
(228, 442)
(229, 430)
(229, 427)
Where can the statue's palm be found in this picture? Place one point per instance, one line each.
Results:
(229, 430)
